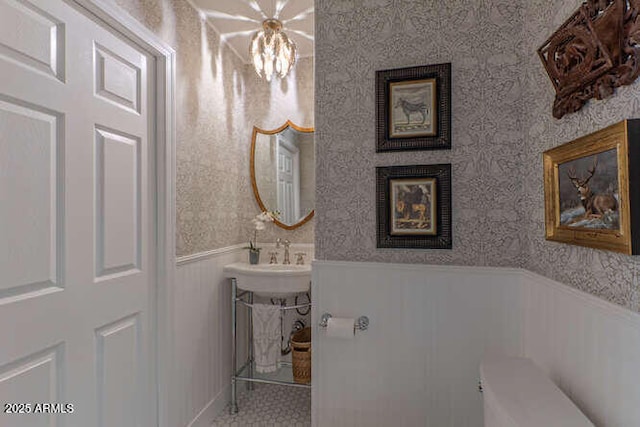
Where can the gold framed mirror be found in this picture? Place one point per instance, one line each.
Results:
(283, 173)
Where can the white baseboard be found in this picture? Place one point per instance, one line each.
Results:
(212, 409)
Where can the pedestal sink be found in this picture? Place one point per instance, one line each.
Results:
(271, 280)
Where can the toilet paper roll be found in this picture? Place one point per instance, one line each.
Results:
(340, 327)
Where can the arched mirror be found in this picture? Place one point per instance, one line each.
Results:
(283, 173)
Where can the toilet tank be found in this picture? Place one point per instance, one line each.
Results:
(518, 394)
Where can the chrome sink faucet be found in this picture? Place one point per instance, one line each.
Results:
(286, 244)
(274, 255)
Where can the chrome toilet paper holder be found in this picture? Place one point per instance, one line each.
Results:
(361, 323)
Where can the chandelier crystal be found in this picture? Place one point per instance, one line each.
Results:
(272, 52)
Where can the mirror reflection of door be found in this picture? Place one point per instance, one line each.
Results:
(283, 173)
(288, 188)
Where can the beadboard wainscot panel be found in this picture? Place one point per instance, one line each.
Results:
(202, 336)
(431, 326)
(589, 347)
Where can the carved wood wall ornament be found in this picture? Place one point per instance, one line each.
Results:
(596, 50)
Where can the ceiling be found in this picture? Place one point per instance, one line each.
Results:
(238, 20)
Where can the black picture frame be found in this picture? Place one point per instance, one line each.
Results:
(425, 79)
(388, 176)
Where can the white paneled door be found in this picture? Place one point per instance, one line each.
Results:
(77, 221)
(288, 200)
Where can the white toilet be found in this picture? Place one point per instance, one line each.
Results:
(518, 394)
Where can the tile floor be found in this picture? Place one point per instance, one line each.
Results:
(269, 405)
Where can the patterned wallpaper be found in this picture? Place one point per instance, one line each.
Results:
(481, 40)
(219, 99)
(501, 124)
(609, 275)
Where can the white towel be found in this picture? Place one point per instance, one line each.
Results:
(266, 336)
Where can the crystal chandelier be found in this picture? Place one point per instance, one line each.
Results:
(272, 51)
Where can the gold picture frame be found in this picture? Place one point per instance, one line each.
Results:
(592, 187)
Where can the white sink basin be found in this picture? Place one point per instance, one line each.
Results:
(274, 280)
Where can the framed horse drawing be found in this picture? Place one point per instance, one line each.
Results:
(414, 108)
(413, 203)
(413, 206)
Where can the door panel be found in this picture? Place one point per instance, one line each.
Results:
(286, 202)
(117, 203)
(39, 40)
(77, 218)
(118, 359)
(30, 174)
(35, 378)
(117, 79)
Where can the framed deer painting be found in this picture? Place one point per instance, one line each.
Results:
(414, 206)
(592, 189)
(414, 108)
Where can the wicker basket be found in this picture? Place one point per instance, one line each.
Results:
(301, 356)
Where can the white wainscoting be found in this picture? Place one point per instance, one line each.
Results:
(432, 325)
(430, 328)
(588, 346)
(417, 365)
(202, 337)
(202, 331)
